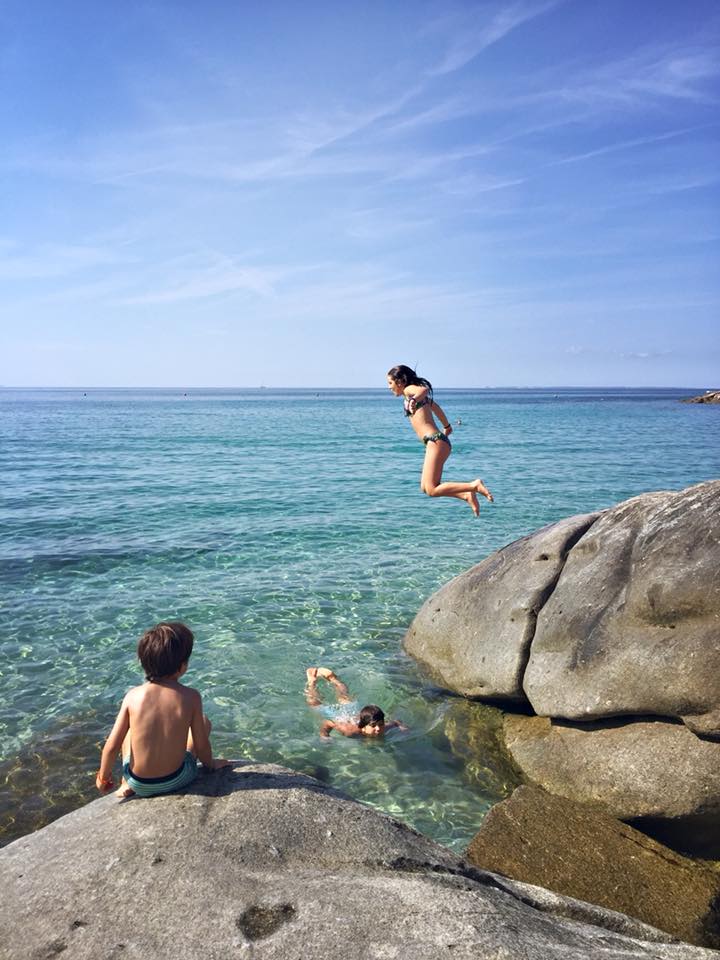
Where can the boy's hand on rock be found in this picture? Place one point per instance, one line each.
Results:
(104, 786)
(218, 764)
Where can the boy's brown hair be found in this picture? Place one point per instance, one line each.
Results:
(164, 648)
(370, 714)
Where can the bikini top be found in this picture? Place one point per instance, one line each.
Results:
(411, 404)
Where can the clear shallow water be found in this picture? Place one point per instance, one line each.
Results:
(287, 528)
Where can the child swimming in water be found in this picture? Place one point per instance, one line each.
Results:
(419, 406)
(350, 719)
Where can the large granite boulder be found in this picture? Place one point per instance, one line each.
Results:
(580, 851)
(474, 635)
(656, 773)
(599, 615)
(633, 624)
(266, 863)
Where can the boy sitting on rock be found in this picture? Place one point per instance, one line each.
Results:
(161, 726)
(348, 717)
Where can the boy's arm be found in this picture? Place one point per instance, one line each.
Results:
(396, 723)
(325, 727)
(440, 413)
(103, 780)
(200, 738)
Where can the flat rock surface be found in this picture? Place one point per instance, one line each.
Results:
(580, 851)
(641, 769)
(474, 634)
(633, 623)
(265, 863)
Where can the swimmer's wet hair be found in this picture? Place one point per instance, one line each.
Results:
(370, 714)
(164, 648)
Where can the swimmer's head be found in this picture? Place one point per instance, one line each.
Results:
(371, 721)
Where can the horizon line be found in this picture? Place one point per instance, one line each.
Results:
(264, 387)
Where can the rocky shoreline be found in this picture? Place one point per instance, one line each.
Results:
(710, 396)
(600, 637)
(271, 863)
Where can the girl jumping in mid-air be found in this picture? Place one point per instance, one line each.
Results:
(419, 406)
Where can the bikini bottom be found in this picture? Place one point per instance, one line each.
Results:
(434, 437)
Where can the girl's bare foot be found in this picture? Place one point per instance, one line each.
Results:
(482, 489)
(472, 500)
(124, 790)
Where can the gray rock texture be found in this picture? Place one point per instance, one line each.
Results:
(598, 615)
(577, 850)
(264, 863)
(474, 634)
(649, 769)
(633, 623)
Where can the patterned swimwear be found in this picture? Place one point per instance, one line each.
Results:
(410, 404)
(152, 786)
(433, 437)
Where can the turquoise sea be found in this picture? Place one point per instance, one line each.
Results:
(287, 529)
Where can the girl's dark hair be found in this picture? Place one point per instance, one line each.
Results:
(370, 714)
(164, 648)
(408, 377)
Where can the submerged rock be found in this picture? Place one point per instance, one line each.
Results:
(579, 851)
(51, 775)
(270, 863)
(475, 734)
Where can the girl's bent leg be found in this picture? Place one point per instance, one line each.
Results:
(436, 454)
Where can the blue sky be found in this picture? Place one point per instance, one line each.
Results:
(511, 192)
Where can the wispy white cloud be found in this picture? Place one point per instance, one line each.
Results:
(471, 34)
(649, 75)
(198, 282)
(55, 261)
(623, 145)
(377, 224)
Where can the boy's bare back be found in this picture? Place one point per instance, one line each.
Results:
(160, 714)
(160, 727)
